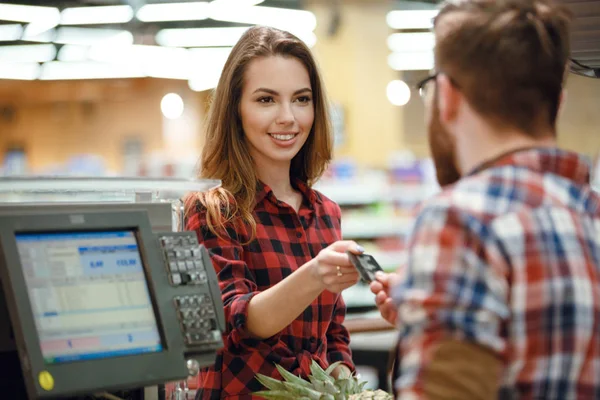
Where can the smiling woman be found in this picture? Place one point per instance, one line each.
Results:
(274, 241)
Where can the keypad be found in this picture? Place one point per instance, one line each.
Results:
(182, 253)
(198, 321)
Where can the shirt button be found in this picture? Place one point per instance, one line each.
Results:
(298, 235)
(313, 340)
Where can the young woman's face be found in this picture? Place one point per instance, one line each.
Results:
(276, 109)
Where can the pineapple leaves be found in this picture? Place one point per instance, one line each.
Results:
(321, 386)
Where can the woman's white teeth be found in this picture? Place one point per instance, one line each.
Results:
(282, 137)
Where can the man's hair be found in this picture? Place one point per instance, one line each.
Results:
(508, 58)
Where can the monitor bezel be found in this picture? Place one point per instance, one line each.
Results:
(88, 376)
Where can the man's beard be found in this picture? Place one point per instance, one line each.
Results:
(443, 149)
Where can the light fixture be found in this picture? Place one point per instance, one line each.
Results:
(10, 32)
(411, 61)
(398, 92)
(44, 37)
(72, 52)
(411, 19)
(190, 11)
(27, 53)
(25, 13)
(57, 70)
(414, 41)
(21, 71)
(91, 36)
(200, 37)
(282, 18)
(172, 106)
(96, 15)
(207, 65)
(238, 3)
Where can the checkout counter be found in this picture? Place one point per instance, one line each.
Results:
(100, 290)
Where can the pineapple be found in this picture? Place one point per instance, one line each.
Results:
(321, 386)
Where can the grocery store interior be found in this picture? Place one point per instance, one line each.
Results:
(109, 88)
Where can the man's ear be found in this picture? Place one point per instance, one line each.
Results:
(561, 102)
(449, 99)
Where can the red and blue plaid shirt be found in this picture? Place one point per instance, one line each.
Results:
(509, 258)
(284, 241)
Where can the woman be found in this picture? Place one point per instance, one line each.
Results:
(274, 242)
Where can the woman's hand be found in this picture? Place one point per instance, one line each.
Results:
(332, 269)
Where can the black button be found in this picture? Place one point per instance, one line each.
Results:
(313, 340)
(298, 235)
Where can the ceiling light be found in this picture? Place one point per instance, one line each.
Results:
(398, 93)
(402, 42)
(91, 36)
(238, 3)
(174, 12)
(411, 61)
(282, 18)
(22, 71)
(44, 37)
(411, 19)
(10, 32)
(24, 13)
(172, 106)
(28, 53)
(71, 52)
(57, 70)
(96, 15)
(200, 37)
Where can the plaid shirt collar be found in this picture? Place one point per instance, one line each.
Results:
(551, 160)
(263, 191)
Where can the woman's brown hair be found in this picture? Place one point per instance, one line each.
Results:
(225, 155)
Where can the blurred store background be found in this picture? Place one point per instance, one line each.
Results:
(121, 88)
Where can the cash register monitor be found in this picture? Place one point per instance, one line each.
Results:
(83, 294)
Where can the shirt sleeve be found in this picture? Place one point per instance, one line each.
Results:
(453, 287)
(338, 338)
(236, 281)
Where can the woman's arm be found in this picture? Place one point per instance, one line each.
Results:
(270, 311)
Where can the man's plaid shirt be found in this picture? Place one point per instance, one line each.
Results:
(284, 241)
(509, 258)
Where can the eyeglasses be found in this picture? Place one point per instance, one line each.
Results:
(424, 84)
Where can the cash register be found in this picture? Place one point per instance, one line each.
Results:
(94, 302)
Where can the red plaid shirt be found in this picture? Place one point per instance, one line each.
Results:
(284, 241)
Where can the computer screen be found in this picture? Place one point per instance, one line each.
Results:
(89, 295)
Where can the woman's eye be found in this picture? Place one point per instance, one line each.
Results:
(304, 99)
(266, 99)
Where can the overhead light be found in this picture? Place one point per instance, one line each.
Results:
(10, 32)
(96, 15)
(282, 18)
(206, 81)
(91, 36)
(418, 41)
(411, 19)
(38, 27)
(27, 53)
(24, 13)
(21, 71)
(58, 70)
(44, 37)
(174, 11)
(200, 37)
(172, 106)
(398, 92)
(238, 3)
(411, 61)
(154, 61)
(71, 52)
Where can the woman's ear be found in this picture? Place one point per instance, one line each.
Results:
(449, 99)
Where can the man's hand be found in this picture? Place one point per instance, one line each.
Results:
(381, 290)
(341, 370)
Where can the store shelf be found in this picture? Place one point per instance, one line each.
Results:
(368, 227)
(355, 193)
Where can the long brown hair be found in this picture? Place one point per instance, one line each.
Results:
(225, 155)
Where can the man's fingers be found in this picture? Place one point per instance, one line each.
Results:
(376, 287)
